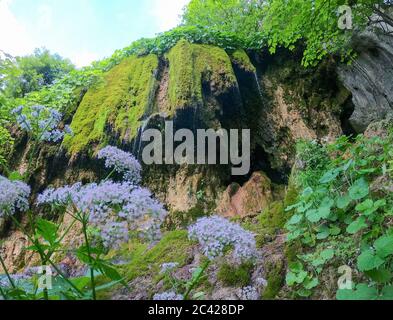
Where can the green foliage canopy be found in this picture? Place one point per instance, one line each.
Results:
(22, 75)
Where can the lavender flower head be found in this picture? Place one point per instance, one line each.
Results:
(168, 267)
(41, 122)
(166, 296)
(121, 162)
(217, 235)
(60, 197)
(115, 209)
(14, 195)
(249, 294)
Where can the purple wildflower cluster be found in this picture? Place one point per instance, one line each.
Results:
(60, 197)
(168, 267)
(249, 293)
(16, 278)
(216, 235)
(121, 162)
(114, 209)
(14, 195)
(165, 296)
(42, 122)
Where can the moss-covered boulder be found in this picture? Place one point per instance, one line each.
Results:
(116, 105)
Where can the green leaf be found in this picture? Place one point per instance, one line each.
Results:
(81, 282)
(323, 233)
(107, 285)
(295, 219)
(387, 293)
(359, 190)
(110, 272)
(327, 254)
(384, 246)
(313, 216)
(357, 225)
(363, 292)
(343, 202)
(329, 176)
(291, 279)
(47, 230)
(334, 230)
(311, 284)
(303, 292)
(380, 275)
(368, 261)
(365, 205)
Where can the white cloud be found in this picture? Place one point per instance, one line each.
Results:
(167, 13)
(14, 37)
(84, 58)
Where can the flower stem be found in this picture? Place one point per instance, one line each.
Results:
(3, 294)
(92, 279)
(110, 175)
(7, 273)
(195, 282)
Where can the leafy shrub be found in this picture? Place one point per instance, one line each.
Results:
(340, 220)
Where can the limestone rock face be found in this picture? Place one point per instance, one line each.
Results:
(14, 254)
(370, 79)
(249, 200)
(379, 129)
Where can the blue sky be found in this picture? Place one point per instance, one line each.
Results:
(82, 30)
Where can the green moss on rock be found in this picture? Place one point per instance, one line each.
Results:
(192, 64)
(173, 247)
(235, 276)
(181, 219)
(242, 60)
(275, 280)
(118, 102)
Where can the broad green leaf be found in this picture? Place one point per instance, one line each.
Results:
(368, 261)
(311, 284)
(329, 176)
(295, 219)
(313, 216)
(323, 233)
(359, 190)
(303, 292)
(358, 225)
(384, 246)
(81, 282)
(343, 202)
(296, 266)
(387, 293)
(47, 230)
(327, 254)
(363, 293)
(110, 272)
(380, 275)
(334, 230)
(291, 278)
(365, 205)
